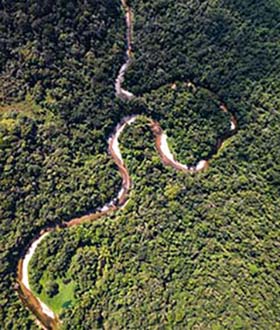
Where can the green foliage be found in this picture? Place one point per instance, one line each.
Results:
(52, 289)
(192, 120)
(58, 295)
(188, 251)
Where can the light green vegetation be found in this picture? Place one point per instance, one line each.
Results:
(63, 299)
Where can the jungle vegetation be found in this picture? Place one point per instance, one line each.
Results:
(188, 251)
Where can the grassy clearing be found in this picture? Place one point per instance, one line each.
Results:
(64, 299)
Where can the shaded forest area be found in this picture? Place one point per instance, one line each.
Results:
(197, 251)
(59, 60)
(190, 116)
(188, 251)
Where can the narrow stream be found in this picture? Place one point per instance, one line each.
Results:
(45, 316)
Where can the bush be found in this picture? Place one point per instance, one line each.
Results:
(52, 289)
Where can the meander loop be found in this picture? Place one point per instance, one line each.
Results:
(45, 317)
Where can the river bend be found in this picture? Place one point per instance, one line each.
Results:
(46, 318)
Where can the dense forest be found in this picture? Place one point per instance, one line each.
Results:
(196, 251)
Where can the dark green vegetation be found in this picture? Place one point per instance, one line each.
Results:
(188, 252)
(190, 115)
(58, 63)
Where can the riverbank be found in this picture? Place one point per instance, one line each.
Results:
(45, 316)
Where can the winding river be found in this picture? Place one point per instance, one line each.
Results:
(46, 318)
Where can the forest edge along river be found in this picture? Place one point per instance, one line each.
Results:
(46, 318)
